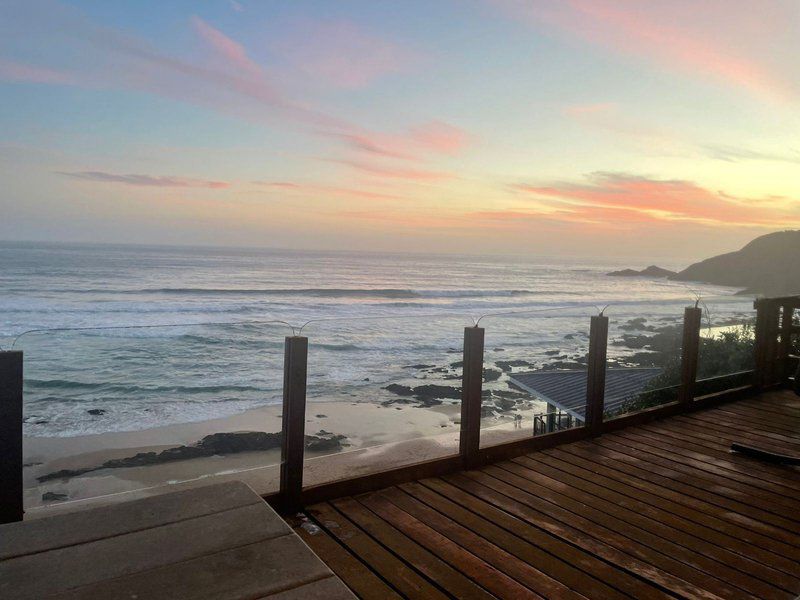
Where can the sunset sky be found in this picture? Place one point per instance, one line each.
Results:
(663, 128)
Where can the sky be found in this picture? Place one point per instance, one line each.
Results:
(630, 128)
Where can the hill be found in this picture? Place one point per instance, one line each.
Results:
(651, 271)
(769, 265)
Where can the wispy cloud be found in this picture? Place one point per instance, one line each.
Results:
(341, 53)
(622, 196)
(735, 154)
(680, 36)
(577, 110)
(309, 188)
(435, 137)
(145, 180)
(393, 171)
(15, 71)
(230, 50)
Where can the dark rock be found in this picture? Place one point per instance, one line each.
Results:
(242, 441)
(432, 390)
(651, 271)
(400, 390)
(564, 365)
(49, 496)
(96, 411)
(491, 374)
(552, 352)
(324, 441)
(420, 366)
(507, 365)
(321, 416)
(637, 324)
(214, 444)
(505, 404)
(487, 410)
(499, 349)
(65, 474)
(427, 395)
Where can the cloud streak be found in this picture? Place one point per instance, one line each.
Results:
(393, 172)
(341, 54)
(626, 197)
(145, 180)
(308, 188)
(680, 36)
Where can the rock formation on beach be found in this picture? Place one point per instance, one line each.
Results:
(651, 271)
(211, 445)
(769, 265)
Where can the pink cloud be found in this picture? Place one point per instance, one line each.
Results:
(434, 137)
(145, 180)
(14, 71)
(341, 53)
(590, 109)
(394, 172)
(440, 137)
(227, 48)
(627, 197)
(327, 189)
(681, 35)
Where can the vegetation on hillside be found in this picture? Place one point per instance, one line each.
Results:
(725, 356)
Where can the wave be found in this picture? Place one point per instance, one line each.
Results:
(64, 384)
(391, 293)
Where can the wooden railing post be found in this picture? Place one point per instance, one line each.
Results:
(11, 508)
(690, 351)
(295, 365)
(471, 392)
(785, 346)
(596, 375)
(766, 342)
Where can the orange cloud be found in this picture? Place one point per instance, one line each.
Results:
(394, 172)
(326, 189)
(434, 137)
(589, 109)
(630, 197)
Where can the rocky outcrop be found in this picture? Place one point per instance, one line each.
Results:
(769, 265)
(651, 271)
(430, 394)
(216, 444)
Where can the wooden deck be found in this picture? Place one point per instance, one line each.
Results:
(654, 511)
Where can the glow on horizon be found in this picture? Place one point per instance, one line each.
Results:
(594, 127)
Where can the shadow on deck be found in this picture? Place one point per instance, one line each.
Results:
(656, 510)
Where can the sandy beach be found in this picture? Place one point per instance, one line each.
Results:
(378, 437)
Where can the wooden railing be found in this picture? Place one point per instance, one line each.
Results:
(774, 332)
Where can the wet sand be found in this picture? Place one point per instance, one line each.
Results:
(379, 438)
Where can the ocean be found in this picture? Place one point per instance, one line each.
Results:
(124, 338)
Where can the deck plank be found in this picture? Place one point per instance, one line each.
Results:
(397, 573)
(355, 574)
(657, 510)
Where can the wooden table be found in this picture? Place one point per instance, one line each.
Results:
(219, 542)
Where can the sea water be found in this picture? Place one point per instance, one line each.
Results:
(124, 338)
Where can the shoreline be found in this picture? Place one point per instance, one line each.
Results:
(377, 437)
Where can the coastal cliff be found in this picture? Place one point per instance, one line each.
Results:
(769, 265)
